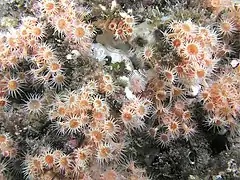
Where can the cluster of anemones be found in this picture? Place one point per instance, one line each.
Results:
(222, 101)
(174, 122)
(25, 43)
(198, 48)
(106, 84)
(122, 28)
(200, 51)
(46, 69)
(134, 112)
(54, 163)
(68, 21)
(163, 98)
(77, 113)
(86, 113)
(172, 116)
(74, 111)
(16, 44)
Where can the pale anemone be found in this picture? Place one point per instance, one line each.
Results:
(227, 27)
(34, 104)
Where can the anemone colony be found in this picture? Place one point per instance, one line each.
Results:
(145, 77)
